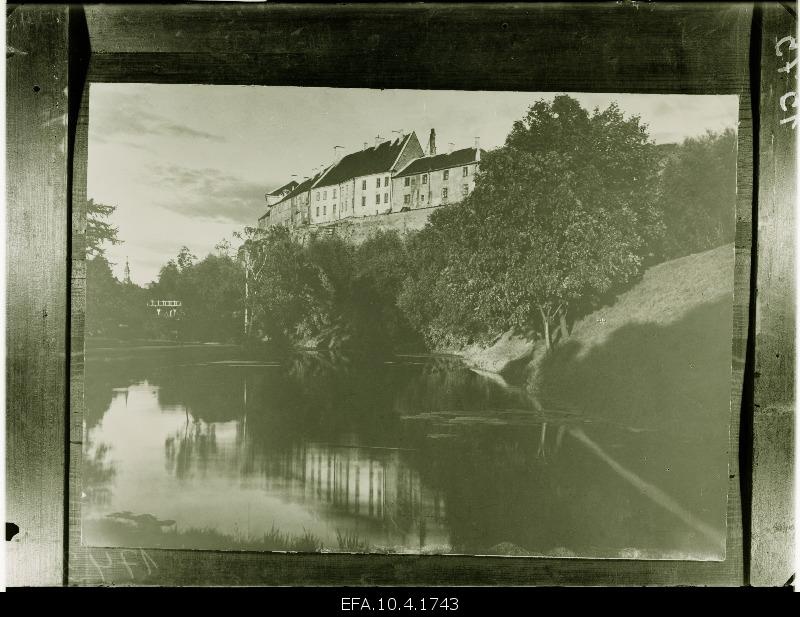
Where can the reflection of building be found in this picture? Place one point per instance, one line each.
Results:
(389, 177)
(373, 489)
(169, 308)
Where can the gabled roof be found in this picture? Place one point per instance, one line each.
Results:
(300, 188)
(286, 187)
(440, 161)
(365, 162)
(297, 190)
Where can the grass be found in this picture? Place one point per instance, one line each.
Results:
(111, 532)
(351, 542)
(664, 296)
(660, 354)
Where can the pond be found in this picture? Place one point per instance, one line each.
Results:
(209, 447)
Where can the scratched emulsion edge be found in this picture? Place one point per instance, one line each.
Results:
(772, 508)
(36, 239)
(113, 566)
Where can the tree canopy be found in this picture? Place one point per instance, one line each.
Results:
(561, 214)
(98, 230)
(698, 194)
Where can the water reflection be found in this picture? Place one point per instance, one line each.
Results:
(416, 454)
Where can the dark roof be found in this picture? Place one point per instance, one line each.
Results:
(287, 186)
(300, 188)
(439, 161)
(365, 162)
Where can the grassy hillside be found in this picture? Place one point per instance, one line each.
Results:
(661, 352)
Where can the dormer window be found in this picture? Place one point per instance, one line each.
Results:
(446, 174)
(465, 171)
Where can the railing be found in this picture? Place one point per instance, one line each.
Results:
(164, 303)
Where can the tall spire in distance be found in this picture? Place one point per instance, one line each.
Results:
(127, 279)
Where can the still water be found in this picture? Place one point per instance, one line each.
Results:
(207, 447)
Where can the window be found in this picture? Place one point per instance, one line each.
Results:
(386, 181)
(317, 210)
(334, 208)
(324, 194)
(363, 185)
(465, 188)
(446, 174)
(324, 210)
(378, 197)
(424, 178)
(334, 193)
(408, 181)
(422, 197)
(377, 183)
(444, 194)
(413, 181)
(317, 195)
(406, 199)
(465, 171)
(363, 202)
(386, 198)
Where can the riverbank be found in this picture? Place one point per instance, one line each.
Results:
(690, 298)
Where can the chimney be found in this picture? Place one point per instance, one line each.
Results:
(432, 143)
(378, 139)
(450, 147)
(477, 148)
(336, 155)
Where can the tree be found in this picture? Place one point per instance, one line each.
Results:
(563, 213)
(698, 195)
(288, 296)
(98, 230)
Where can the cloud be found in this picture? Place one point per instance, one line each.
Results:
(208, 193)
(121, 117)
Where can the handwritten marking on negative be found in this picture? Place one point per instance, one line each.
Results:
(789, 44)
(131, 563)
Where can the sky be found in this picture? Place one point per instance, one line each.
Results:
(189, 164)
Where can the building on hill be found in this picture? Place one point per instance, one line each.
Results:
(390, 177)
(292, 209)
(360, 184)
(435, 180)
(279, 193)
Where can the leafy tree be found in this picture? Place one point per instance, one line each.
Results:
(289, 294)
(210, 292)
(380, 268)
(698, 195)
(563, 213)
(113, 308)
(103, 302)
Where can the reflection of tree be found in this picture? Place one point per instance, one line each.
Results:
(97, 473)
(446, 384)
(194, 445)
